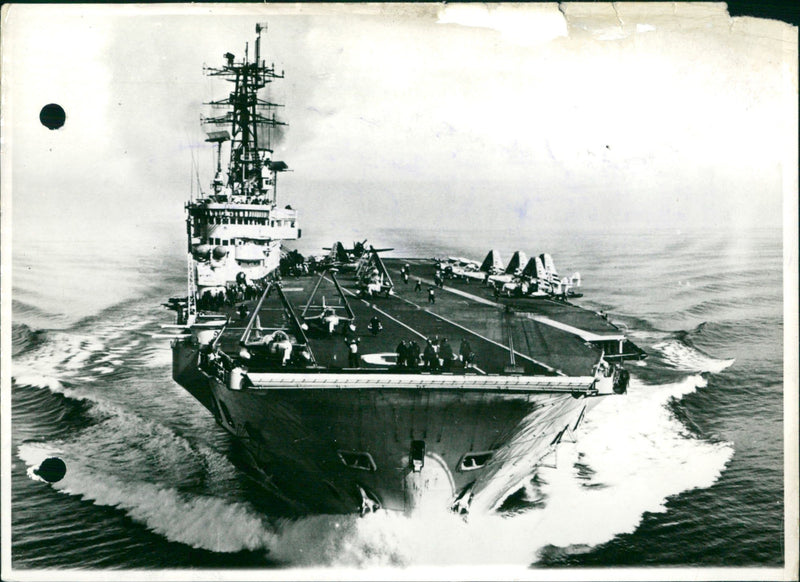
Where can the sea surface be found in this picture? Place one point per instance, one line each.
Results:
(684, 470)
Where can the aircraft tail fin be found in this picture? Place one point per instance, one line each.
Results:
(548, 263)
(518, 261)
(530, 268)
(341, 254)
(540, 271)
(492, 262)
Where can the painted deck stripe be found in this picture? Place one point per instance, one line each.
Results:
(382, 312)
(583, 334)
(491, 341)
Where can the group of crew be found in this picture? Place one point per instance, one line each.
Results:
(438, 354)
(230, 295)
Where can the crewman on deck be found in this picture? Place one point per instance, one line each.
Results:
(446, 354)
(431, 295)
(430, 356)
(402, 354)
(304, 358)
(375, 325)
(464, 350)
(418, 286)
(413, 354)
(354, 359)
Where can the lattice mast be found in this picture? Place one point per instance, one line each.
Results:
(252, 123)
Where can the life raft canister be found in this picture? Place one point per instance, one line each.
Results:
(621, 381)
(219, 253)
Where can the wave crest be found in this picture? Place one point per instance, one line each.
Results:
(681, 356)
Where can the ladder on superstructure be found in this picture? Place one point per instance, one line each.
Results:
(191, 301)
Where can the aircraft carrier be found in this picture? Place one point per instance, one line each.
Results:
(356, 382)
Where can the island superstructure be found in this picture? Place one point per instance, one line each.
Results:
(236, 230)
(357, 382)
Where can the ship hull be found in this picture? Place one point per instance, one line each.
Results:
(328, 450)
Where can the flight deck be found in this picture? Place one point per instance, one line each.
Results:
(547, 337)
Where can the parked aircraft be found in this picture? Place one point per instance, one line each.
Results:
(373, 278)
(347, 259)
(327, 319)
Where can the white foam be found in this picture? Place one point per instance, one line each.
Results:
(204, 522)
(390, 539)
(158, 355)
(100, 405)
(62, 354)
(686, 358)
(640, 454)
(38, 381)
(73, 355)
(33, 454)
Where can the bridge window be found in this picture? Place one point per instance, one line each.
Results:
(357, 460)
(473, 461)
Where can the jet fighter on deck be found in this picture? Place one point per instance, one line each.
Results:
(328, 318)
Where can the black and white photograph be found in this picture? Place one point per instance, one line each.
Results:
(399, 291)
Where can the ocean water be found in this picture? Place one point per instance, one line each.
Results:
(684, 470)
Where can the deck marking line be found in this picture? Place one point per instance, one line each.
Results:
(382, 312)
(545, 366)
(463, 294)
(469, 296)
(583, 334)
